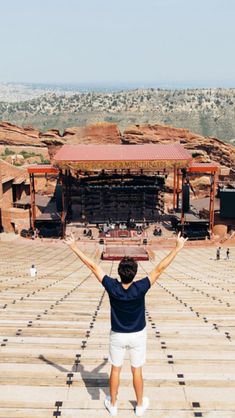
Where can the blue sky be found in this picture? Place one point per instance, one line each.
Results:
(124, 41)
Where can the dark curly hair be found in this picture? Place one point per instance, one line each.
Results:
(127, 269)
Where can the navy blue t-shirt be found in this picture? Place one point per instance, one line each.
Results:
(127, 305)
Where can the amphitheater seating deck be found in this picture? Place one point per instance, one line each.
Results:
(54, 335)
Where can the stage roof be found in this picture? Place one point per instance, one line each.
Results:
(212, 167)
(42, 169)
(98, 157)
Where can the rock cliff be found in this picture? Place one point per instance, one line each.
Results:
(99, 133)
(15, 135)
(204, 149)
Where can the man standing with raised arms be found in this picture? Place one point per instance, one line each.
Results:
(128, 324)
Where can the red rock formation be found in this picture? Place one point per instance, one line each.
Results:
(8, 170)
(51, 133)
(99, 133)
(203, 148)
(15, 135)
(53, 147)
(71, 131)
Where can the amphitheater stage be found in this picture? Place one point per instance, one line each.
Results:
(113, 253)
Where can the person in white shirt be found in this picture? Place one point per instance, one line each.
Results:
(33, 271)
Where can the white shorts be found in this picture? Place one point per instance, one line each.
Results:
(134, 342)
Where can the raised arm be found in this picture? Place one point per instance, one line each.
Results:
(157, 271)
(95, 268)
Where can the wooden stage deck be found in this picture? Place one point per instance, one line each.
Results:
(54, 336)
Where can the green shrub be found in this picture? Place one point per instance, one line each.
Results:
(44, 160)
(8, 151)
(27, 154)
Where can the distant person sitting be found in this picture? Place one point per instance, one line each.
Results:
(139, 230)
(33, 271)
(36, 232)
(89, 233)
(155, 231)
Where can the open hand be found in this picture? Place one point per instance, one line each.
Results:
(70, 241)
(180, 241)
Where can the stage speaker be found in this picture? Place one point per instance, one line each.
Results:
(58, 198)
(186, 200)
(227, 203)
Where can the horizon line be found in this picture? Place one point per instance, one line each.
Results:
(137, 84)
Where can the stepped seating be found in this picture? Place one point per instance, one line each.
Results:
(54, 335)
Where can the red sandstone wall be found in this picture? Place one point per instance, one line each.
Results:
(10, 170)
(0, 186)
(9, 214)
(7, 195)
(17, 217)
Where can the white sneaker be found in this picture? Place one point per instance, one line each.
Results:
(112, 409)
(140, 410)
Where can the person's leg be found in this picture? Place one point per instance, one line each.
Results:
(138, 384)
(142, 402)
(137, 352)
(117, 348)
(114, 383)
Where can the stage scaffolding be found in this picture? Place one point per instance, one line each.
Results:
(153, 160)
